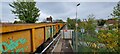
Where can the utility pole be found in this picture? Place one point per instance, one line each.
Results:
(76, 29)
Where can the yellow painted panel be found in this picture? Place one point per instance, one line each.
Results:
(56, 28)
(20, 41)
(39, 37)
(16, 42)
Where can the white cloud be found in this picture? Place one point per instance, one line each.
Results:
(100, 10)
(43, 16)
(62, 10)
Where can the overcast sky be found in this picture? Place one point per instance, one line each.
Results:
(62, 10)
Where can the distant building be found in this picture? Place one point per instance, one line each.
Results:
(111, 21)
(102, 28)
(49, 19)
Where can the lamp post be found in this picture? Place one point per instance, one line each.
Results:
(76, 29)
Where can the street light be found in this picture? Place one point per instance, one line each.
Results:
(76, 29)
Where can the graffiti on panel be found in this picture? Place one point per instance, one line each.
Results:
(12, 45)
(51, 31)
(47, 32)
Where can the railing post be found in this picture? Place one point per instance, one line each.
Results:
(33, 35)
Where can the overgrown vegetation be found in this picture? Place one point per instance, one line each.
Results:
(105, 40)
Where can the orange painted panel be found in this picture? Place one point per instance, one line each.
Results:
(39, 37)
(16, 42)
(61, 25)
(56, 28)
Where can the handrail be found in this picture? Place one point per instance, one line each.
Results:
(50, 44)
(56, 44)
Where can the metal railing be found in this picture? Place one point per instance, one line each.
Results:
(51, 43)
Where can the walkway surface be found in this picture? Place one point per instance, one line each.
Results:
(60, 46)
(64, 47)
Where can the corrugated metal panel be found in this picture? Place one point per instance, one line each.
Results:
(54, 30)
(47, 32)
(39, 37)
(16, 42)
(25, 37)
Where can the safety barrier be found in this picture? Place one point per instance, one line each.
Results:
(26, 37)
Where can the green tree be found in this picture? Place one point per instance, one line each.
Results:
(110, 38)
(59, 21)
(71, 23)
(78, 21)
(90, 25)
(27, 12)
(116, 11)
(101, 22)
